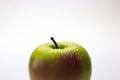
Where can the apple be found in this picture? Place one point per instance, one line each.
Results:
(59, 61)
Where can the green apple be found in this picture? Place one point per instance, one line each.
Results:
(60, 61)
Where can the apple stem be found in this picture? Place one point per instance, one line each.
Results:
(54, 42)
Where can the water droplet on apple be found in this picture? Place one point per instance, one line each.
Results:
(77, 50)
(52, 57)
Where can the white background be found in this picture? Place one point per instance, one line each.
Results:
(24, 24)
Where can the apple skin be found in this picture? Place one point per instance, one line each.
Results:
(69, 62)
